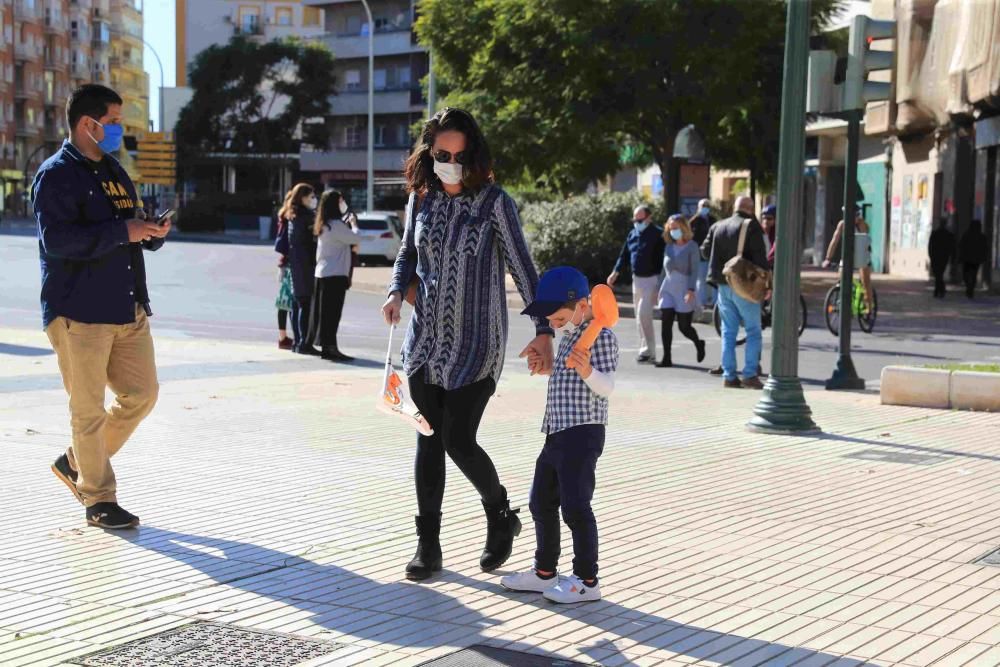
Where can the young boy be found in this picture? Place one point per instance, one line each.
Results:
(576, 412)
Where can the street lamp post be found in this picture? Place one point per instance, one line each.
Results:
(783, 408)
(370, 202)
(160, 63)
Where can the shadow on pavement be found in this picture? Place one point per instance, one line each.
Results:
(24, 350)
(345, 602)
(936, 453)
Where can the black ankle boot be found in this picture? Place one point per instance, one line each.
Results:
(502, 526)
(427, 560)
(665, 362)
(699, 346)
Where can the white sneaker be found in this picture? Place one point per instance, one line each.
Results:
(528, 581)
(572, 589)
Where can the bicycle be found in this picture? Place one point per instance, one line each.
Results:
(859, 307)
(765, 318)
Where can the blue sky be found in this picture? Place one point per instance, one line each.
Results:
(158, 29)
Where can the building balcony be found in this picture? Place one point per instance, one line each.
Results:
(251, 30)
(23, 93)
(23, 130)
(100, 44)
(386, 159)
(53, 63)
(23, 51)
(355, 102)
(27, 11)
(56, 25)
(388, 42)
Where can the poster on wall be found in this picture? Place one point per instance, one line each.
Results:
(924, 214)
(896, 222)
(907, 226)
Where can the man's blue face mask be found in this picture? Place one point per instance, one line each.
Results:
(112, 136)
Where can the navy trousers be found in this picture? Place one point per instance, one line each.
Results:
(565, 477)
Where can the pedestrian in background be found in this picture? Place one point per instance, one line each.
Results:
(940, 249)
(95, 302)
(460, 241)
(299, 213)
(769, 221)
(862, 251)
(643, 253)
(677, 292)
(972, 253)
(720, 247)
(336, 231)
(700, 223)
(285, 300)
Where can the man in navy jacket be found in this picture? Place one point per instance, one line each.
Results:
(95, 305)
(643, 252)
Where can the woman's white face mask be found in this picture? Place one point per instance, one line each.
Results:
(343, 207)
(311, 202)
(450, 173)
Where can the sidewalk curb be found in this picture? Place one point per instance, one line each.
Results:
(939, 388)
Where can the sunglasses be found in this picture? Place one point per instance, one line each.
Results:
(445, 156)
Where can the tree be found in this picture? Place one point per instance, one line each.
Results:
(561, 85)
(256, 98)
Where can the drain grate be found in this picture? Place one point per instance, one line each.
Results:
(488, 656)
(211, 645)
(992, 558)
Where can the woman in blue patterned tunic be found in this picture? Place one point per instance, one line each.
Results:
(462, 235)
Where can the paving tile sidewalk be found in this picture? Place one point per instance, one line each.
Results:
(274, 497)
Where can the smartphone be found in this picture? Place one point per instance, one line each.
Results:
(165, 216)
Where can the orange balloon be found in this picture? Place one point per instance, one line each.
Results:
(604, 306)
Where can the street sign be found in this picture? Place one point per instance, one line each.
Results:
(157, 158)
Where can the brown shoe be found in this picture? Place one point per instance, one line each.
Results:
(733, 384)
(753, 383)
(285, 344)
(716, 371)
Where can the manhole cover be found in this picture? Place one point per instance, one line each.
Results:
(992, 558)
(211, 645)
(488, 656)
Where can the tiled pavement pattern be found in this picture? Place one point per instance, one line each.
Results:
(274, 497)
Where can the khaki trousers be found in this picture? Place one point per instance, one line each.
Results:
(644, 291)
(92, 357)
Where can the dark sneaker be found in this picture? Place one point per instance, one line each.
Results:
(644, 359)
(716, 371)
(285, 344)
(67, 475)
(753, 383)
(111, 516)
(733, 384)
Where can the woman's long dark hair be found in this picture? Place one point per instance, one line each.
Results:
(478, 170)
(293, 200)
(328, 209)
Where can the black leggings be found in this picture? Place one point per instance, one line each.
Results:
(454, 415)
(300, 321)
(970, 271)
(667, 316)
(282, 320)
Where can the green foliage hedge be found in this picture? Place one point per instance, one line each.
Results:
(586, 231)
(206, 213)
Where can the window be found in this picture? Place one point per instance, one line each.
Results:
(283, 16)
(403, 76)
(352, 25)
(250, 20)
(352, 79)
(311, 16)
(380, 79)
(380, 135)
(353, 136)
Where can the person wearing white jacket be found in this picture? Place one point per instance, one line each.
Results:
(336, 231)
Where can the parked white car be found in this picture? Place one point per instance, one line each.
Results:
(382, 234)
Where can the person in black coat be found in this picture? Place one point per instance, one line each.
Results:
(299, 213)
(940, 249)
(972, 253)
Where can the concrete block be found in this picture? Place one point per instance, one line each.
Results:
(975, 391)
(916, 387)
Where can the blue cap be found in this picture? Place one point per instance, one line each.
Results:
(555, 288)
(770, 209)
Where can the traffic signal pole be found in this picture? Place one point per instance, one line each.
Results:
(783, 408)
(844, 375)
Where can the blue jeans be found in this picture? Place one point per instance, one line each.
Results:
(565, 476)
(736, 310)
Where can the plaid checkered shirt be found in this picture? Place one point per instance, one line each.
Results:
(570, 401)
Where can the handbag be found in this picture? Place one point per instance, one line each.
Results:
(744, 277)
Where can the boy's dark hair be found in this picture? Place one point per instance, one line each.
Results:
(571, 304)
(90, 99)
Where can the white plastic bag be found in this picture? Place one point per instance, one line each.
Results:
(393, 400)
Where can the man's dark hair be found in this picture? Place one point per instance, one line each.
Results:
(90, 99)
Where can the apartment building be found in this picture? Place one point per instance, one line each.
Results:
(49, 47)
(400, 64)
